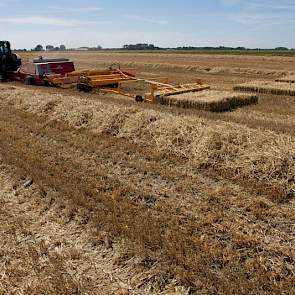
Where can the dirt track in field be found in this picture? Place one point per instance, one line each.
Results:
(107, 216)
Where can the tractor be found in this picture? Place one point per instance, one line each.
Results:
(9, 61)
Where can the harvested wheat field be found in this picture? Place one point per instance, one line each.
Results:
(268, 87)
(210, 100)
(103, 195)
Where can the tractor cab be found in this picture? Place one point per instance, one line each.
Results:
(9, 62)
(5, 48)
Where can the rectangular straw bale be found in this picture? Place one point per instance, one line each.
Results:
(210, 100)
(268, 87)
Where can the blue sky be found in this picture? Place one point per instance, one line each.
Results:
(113, 23)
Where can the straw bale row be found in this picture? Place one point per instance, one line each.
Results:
(287, 79)
(267, 87)
(250, 154)
(210, 100)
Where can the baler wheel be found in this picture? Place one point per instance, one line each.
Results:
(29, 80)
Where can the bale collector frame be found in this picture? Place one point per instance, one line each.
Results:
(111, 80)
(111, 83)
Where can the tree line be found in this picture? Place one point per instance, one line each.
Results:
(146, 46)
(40, 47)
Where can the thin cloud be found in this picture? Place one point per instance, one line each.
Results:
(231, 2)
(269, 20)
(4, 3)
(49, 21)
(271, 5)
(146, 19)
(249, 19)
(78, 9)
(266, 13)
(84, 9)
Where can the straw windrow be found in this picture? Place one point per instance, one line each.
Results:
(249, 154)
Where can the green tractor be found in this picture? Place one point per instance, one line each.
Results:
(9, 61)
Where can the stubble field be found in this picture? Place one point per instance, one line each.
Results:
(130, 198)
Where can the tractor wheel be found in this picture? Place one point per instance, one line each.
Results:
(16, 62)
(15, 57)
(3, 68)
(139, 98)
(29, 80)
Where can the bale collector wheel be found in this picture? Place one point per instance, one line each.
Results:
(84, 87)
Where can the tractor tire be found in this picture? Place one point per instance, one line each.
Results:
(3, 68)
(15, 57)
(16, 62)
(139, 98)
(29, 80)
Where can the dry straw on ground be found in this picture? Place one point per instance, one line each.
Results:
(268, 87)
(47, 247)
(166, 67)
(244, 153)
(210, 100)
(236, 240)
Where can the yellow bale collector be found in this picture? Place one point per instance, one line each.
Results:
(111, 80)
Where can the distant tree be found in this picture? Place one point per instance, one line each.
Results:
(95, 48)
(281, 48)
(140, 46)
(83, 48)
(49, 47)
(240, 48)
(62, 47)
(39, 48)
